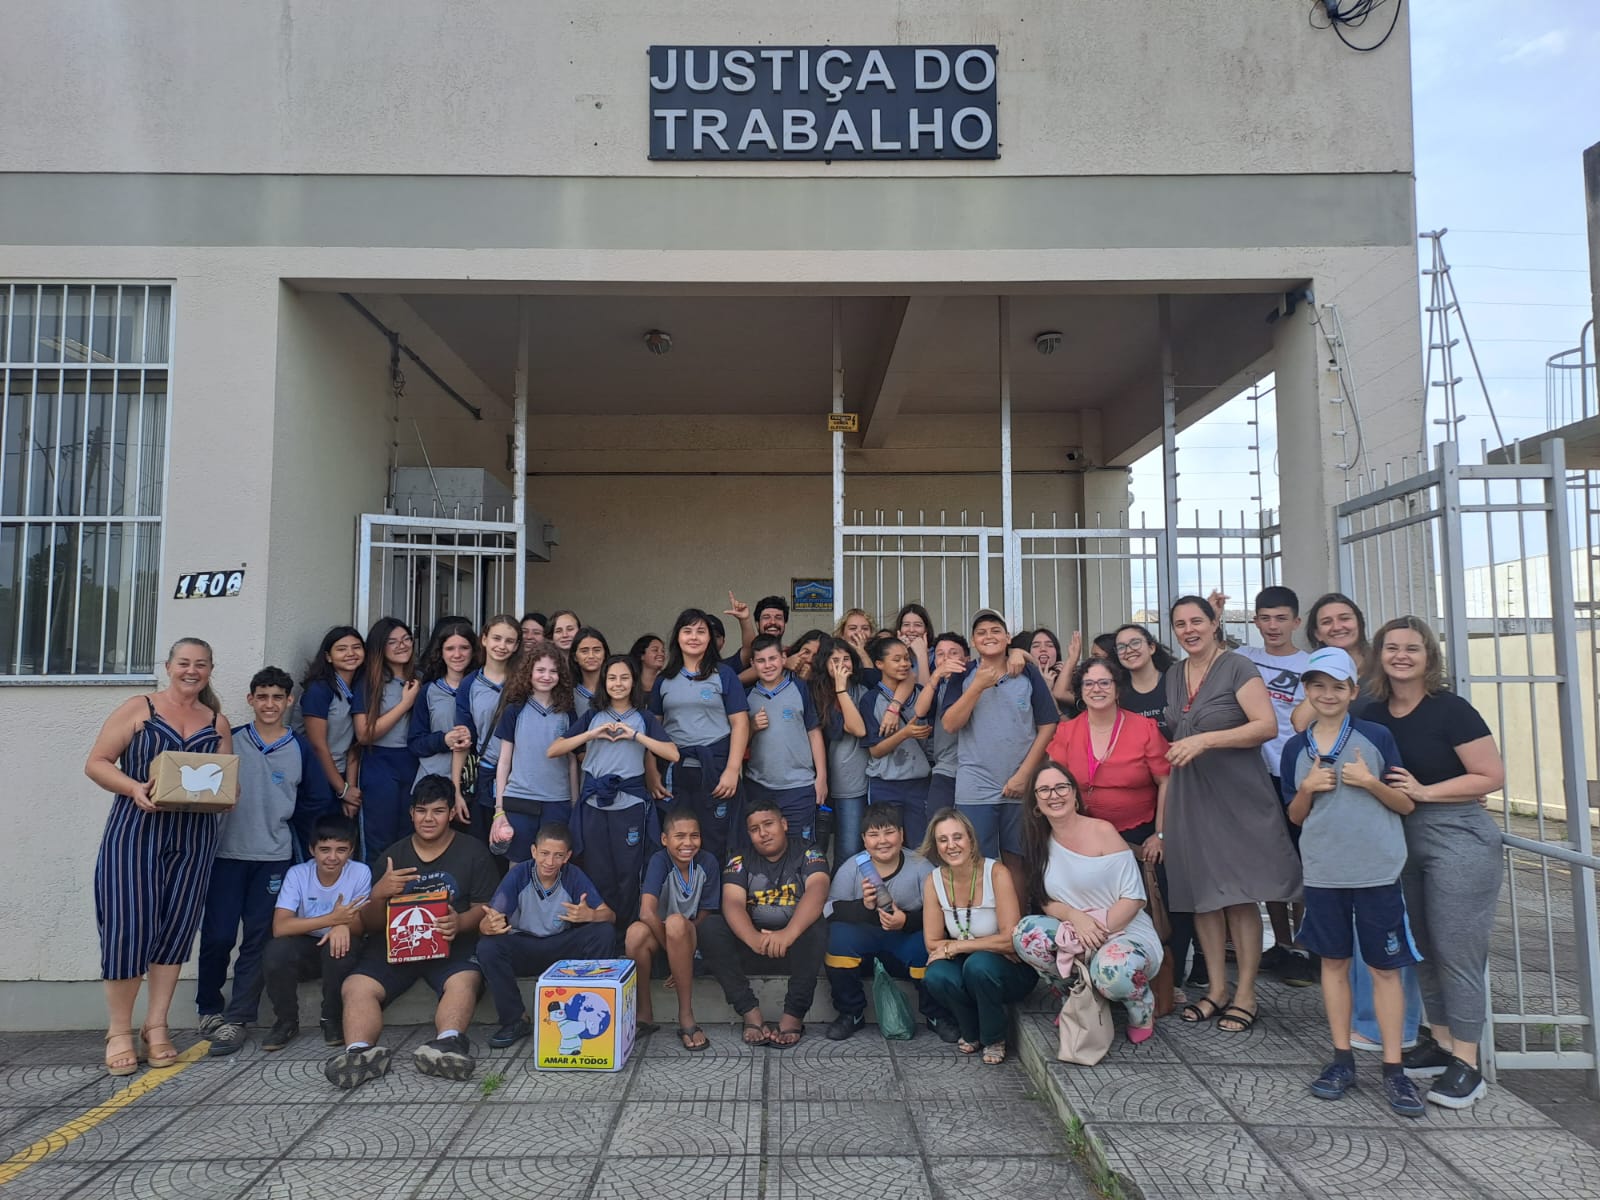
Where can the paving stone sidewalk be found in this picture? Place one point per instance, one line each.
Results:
(1195, 1114)
(862, 1118)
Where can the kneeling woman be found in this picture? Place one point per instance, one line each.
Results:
(969, 910)
(1081, 872)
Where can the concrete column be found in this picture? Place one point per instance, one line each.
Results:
(1309, 470)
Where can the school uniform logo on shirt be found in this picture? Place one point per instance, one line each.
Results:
(790, 714)
(708, 693)
(277, 778)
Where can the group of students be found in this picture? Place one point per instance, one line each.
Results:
(667, 804)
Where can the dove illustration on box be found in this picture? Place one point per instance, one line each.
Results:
(194, 782)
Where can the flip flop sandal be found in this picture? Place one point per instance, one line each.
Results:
(686, 1036)
(757, 1029)
(1242, 1019)
(782, 1038)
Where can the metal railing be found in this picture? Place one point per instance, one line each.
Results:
(1486, 555)
(1571, 384)
(422, 568)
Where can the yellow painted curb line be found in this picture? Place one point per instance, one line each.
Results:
(74, 1129)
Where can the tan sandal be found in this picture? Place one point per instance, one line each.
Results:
(159, 1052)
(121, 1062)
(993, 1054)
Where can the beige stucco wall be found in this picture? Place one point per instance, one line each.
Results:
(509, 88)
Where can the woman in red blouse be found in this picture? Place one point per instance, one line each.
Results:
(1119, 757)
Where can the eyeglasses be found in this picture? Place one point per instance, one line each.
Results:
(1053, 791)
(396, 643)
(1130, 647)
(1098, 685)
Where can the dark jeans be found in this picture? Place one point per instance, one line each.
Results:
(732, 963)
(976, 988)
(507, 957)
(386, 776)
(901, 951)
(288, 962)
(240, 893)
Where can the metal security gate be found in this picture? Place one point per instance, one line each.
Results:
(1485, 554)
(422, 568)
(1067, 576)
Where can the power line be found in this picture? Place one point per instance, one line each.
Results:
(1562, 233)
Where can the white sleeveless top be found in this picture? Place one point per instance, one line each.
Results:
(982, 921)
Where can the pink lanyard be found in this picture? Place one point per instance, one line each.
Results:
(1088, 747)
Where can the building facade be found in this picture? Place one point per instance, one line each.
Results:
(208, 237)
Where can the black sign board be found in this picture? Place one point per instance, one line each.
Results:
(209, 585)
(743, 103)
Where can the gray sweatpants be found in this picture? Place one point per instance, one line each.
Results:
(1452, 885)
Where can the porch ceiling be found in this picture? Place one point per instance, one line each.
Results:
(766, 353)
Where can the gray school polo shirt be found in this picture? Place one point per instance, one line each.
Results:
(943, 747)
(996, 738)
(257, 829)
(483, 697)
(780, 754)
(695, 711)
(1350, 839)
(908, 760)
(624, 758)
(529, 730)
(395, 739)
(847, 757)
(440, 698)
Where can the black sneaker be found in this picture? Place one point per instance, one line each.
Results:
(510, 1035)
(1274, 958)
(1401, 1094)
(446, 1058)
(1426, 1059)
(844, 1026)
(1460, 1086)
(228, 1039)
(1336, 1079)
(282, 1033)
(1298, 970)
(332, 1032)
(352, 1068)
(945, 1027)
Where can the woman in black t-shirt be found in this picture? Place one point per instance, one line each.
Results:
(1146, 662)
(1453, 872)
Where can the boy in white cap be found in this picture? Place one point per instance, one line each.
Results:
(1352, 848)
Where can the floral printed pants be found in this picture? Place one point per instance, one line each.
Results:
(1119, 970)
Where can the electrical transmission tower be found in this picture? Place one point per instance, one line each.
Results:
(1444, 316)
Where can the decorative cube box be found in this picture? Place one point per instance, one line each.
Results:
(411, 932)
(584, 1015)
(183, 782)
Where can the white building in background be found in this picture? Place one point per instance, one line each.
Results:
(190, 191)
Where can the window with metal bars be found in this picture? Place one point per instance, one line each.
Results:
(83, 463)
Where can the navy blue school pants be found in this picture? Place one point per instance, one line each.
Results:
(386, 776)
(243, 894)
(691, 786)
(507, 957)
(798, 805)
(910, 796)
(902, 952)
(614, 844)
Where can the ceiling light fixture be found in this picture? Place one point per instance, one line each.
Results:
(1048, 342)
(658, 341)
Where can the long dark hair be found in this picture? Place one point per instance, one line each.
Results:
(377, 667)
(584, 633)
(1036, 836)
(1363, 647)
(601, 700)
(519, 678)
(1160, 657)
(822, 693)
(319, 669)
(708, 664)
(432, 666)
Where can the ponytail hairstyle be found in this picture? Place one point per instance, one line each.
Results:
(208, 695)
(319, 669)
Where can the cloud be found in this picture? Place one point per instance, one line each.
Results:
(1545, 46)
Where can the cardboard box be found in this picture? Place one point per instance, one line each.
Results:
(584, 1015)
(194, 782)
(411, 932)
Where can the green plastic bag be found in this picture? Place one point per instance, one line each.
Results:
(894, 1014)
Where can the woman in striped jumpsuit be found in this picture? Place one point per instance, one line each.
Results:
(150, 878)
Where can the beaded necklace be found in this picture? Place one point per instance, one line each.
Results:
(962, 916)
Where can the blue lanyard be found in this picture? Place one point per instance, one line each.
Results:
(1332, 756)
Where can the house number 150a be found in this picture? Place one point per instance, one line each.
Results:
(200, 585)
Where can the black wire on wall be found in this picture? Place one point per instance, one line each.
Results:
(1342, 15)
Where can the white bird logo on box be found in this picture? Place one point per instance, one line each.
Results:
(207, 778)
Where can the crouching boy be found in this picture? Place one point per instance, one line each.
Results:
(682, 883)
(316, 931)
(866, 921)
(543, 911)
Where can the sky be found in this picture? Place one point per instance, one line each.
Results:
(1506, 95)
